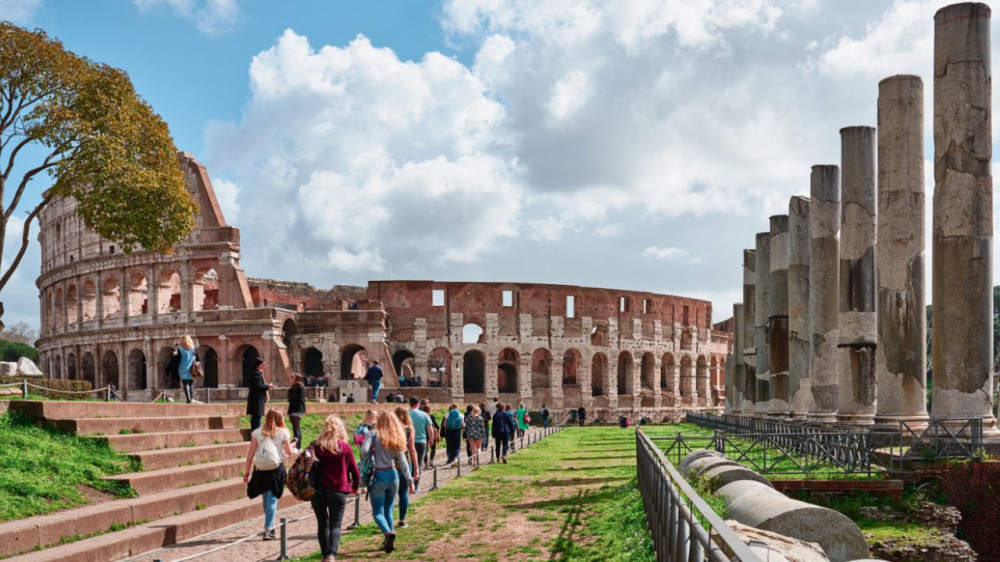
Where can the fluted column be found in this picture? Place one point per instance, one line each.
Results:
(824, 280)
(777, 329)
(761, 313)
(800, 395)
(900, 358)
(962, 320)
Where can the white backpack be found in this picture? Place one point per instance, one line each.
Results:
(267, 456)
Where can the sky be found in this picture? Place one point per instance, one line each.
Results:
(631, 144)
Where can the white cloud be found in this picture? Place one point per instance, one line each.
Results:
(568, 95)
(211, 16)
(227, 193)
(670, 254)
(19, 11)
(20, 295)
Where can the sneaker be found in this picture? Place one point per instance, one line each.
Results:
(269, 535)
(402, 525)
(504, 459)
(390, 541)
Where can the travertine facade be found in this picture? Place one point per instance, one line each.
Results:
(114, 317)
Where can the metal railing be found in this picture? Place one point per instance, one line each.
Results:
(684, 528)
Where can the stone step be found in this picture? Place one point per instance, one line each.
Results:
(156, 534)
(26, 534)
(114, 409)
(167, 458)
(119, 426)
(146, 483)
(171, 440)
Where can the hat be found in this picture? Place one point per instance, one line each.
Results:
(257, 362)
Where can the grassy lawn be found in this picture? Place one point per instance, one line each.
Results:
(571, 496)
(42, 470)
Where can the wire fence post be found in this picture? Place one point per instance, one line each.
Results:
(107, 394)
(357, 513)
(208, 397)
(458, 464)
(435, 484)
(284, 539)
(24, 388)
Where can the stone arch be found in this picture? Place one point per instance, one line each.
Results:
(57, 318)
(210, 365)
(89, 368)
(571, 367)
(473, 332)
(138, 295)
(243, 358)
(439, 367)
(166, 380)
(648, 371)
(110, 298)
(137, 377)
(668, 369)
(49, 319)
(625, 367)
(687, 376)
(88, 308)
(404, 363)
(599, 375)
(168, 292)
(205, 289)
(71, 298)
(701, 378)
(57, 366)
(541, 367)
(312, 363)
(109, 369)
(507, 363)
(353, 360)
(288, 333)
(71, 366)
(474, 371)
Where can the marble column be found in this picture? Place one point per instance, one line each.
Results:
(800, 396)
(901, 354)
(777, 328)
(761, 317)
(962, 320)
(858, 229)
(734, 385)
(749, 381)
(824, 282)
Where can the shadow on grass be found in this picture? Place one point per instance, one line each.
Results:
(579, 481)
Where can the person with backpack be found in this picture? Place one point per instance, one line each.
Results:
(338, 476)
(404, 493)
(503, 428)
(374, 377)
(296, 406)
(475, 430)
(266, 457)
(365, 428)
(522, 423)
(545, 417)
(386, 447)
(453, 426)
(431, 440)
(486, 421)
(509, 411)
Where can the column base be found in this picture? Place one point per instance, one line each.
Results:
(887, 422)
(821, 417)
(860, 420)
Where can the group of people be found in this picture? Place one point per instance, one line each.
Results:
(312, 380)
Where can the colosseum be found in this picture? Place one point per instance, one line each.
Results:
(113, 318)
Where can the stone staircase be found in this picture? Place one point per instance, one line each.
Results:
(192, 459)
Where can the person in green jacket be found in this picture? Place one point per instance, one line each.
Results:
(522, 422)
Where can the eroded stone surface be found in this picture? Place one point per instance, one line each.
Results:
(798, 306)
(762, 308)
(824, 275)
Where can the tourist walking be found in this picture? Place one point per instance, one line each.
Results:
(522, 422)
(487, 416)
(411, 454)
(257, 394)
(468, 445)
(503, 428)
(266, 459)
(545, 417)
(431, 440)
(581, 414)
(509, 411)
(296, 406)
(423, 432)
(475, 430)
(453, 425)
(374, 377)
(365, 428)
(387, 445)
(338, 476)
(181, 363)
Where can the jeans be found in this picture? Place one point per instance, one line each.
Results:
(383, 498)
(329, 509)
(421, 458)
(376, 386)
(453, 441)
(187, 389)
(545, 423)
(254, 422)
(297, 429)
(498, 442)
(486, 440)
(404, 496)
(270, 508)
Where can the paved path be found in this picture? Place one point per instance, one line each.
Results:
(301, 527)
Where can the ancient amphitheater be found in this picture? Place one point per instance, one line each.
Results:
(110, 317)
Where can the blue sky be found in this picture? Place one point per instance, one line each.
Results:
(633, 144)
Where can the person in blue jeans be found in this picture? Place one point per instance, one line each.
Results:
(388, 446)
(374, 377)
(503, 428)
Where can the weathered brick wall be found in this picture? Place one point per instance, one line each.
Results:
(975, 490)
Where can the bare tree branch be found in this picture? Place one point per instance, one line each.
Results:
(24, 242)
(48, 163)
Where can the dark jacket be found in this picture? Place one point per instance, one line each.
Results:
(297, 399)
(263, 480)
(257, 397)
(503, 425)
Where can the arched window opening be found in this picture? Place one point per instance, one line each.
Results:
(541, 366)
(474, 372)
(353, 362)
(138, 295)
(109, 367)
(89, 368)
(71, 303)
(624, 373)
(137, 377)
(405, 365)
(648, 375)
(110, 298)
(472, 333)
(168, 296)
(89, 301)
(312, 364)
(71, 367)
(439, 368)
(571, 366)
(598, 374)
(205, 289)
(507, 363)
(210, 364)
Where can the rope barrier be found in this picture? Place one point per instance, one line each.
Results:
(102, 389)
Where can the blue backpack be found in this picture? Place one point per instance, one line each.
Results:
(454, 420)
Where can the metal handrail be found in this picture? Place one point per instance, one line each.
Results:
(683, 527)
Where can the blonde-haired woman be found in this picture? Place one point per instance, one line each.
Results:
(475, 431)
(268, 482)
(411, 453)
(339, 476)
(182, 360)
(387, 445)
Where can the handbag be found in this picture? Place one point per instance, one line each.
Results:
(197, 370)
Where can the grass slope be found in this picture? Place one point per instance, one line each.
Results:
(43, 470)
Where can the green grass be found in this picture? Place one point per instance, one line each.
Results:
(67, 462)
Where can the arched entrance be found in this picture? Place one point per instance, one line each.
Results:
(648, 375)
(244, 356)
(353, 360)
(507, 363)
(57, 362)
(474, 372)
(167, 380)
(405, 364)
(439, 367)
(71, 367)
(89, 368)
(137, 370)
(624, 373)
(541, 365)
(210, 364)
(598, 374)
(571, 365)
(312, 363)
(109, 368)
(668, 371)
(687, 377)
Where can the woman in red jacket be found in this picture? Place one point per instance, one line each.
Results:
(339, 476)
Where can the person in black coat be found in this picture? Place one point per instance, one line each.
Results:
(296, 407)
(257, 397)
